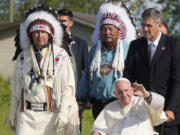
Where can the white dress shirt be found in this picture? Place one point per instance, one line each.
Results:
(153, 45)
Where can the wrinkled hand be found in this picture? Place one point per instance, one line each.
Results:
(139, 90)
(170, 115)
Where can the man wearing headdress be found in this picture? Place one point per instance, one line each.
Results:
(43, 87)
(113, 32)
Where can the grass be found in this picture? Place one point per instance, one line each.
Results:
(5, 96)
(87, 122)
(4, 106)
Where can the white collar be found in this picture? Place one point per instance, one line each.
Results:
(156, 41)
(137, 107)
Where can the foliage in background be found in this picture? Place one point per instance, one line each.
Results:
(84, 6)
(4, 5)
(4, 106)
(22, 6)
(87, 122)
(169, 8)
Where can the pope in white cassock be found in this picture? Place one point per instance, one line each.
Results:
(134, 113)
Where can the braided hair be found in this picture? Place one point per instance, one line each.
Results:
(66, 40)
(17, 45)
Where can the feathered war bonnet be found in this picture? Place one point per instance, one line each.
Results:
(118, 16)
(44, 19)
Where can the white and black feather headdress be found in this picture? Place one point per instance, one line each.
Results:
(121, 12)
(41, 15)
(118, 16)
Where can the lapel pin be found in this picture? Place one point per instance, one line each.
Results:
(163, 48)
(73, 42)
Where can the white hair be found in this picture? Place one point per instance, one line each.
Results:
(122, 79)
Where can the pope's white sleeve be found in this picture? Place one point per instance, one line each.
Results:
(157, 115)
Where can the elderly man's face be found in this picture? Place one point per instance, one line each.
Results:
(123, 92)
(40, 38)
(109, 33)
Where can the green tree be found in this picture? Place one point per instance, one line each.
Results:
(171, 16)
(84, 6)
(22, 6)
(50, 3)
(170, 10)
(4, 13)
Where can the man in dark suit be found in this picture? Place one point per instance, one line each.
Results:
(78, 46)
(154, 61)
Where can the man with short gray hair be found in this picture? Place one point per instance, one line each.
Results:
(154, 61)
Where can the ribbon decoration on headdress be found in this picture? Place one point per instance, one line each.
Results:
(41, 18)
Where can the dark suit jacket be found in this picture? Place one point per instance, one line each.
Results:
(162, 75)
(79, 49)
